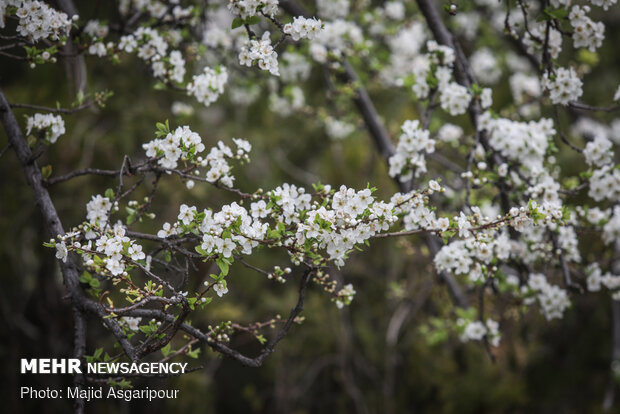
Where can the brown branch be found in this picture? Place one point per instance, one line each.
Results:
(53, 224)
(54, 110)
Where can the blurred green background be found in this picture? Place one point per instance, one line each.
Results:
(368, 358)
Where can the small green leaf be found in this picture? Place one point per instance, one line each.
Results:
(237, 22)
(46, 172)
(167, 350)
(252, 20)
(194, 353)
(223, 265)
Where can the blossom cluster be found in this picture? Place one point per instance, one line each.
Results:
(176, 70)
(97, 210)
(409, 156)
(611, 230)
(436, 64)
(335, 9)
(52, 125)
(37, 20)
(417, 213)
(151, 46)
(345, 296)
(180, 144)
(339, 228)
(553, 300)
(586, 33)
(525, 142)
(303, 28)
(485, 66)
(404, 46)
(477, 330)
(564, 87)
(247, 231)
(219, 170)
(337, 129)
(454, 98)
(115, 246)
(470, 256)
(148, 42)
(156, 9)
(338, 37)
(209, 85)
(538, 31)
(596, 279)
(249, 8)
(262, 52)
(473, 256)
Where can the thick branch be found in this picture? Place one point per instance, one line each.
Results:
(52, 221)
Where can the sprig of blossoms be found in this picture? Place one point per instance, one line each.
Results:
(586, 32)
(52, 125)
(180, 144)
(151, 46)
(96, 29)
(249, 8)
(303, 28)
(409, 156)
(454, 99)
(209, 85)
(219, 170)
(605, 183)
(98, 210)
(262, 52)
(434, 70)
(564, 87)
(539, 31)
(477, 330)
(596, 279)
(338, 37)
(345, 296)
(553, 300)
(38, 21)
(525, 142)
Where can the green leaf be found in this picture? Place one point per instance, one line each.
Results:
(447, 235)
(98, 353)
(557, 13)
(237, 22)
(80, 98)
(167, 350)
(125, 384)
(252, 20)
(194, 353)
(109, 193)
(46, 172)
(85, 277)
(223, 265)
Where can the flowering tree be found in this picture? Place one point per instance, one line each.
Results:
(496, 183)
